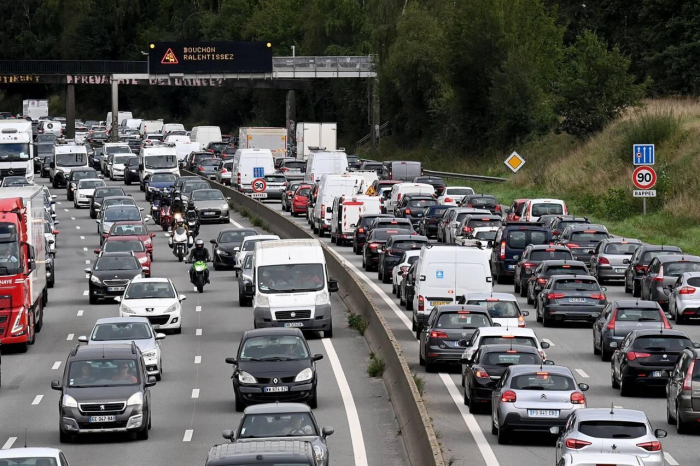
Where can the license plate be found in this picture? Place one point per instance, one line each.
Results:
(103, 418)
(619, 270)
(439, 303)
(116, 288)
(659, 374)
(276, 389)
(294, 324)
(258, 195)
(577, 300)
(209, 213)
(543, 413)
(510, 267)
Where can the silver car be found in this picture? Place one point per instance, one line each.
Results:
(611, 430)
(607, 262)
(684, 300)
(275, 186)
(532, 398)
(211, 205)
(245, 276)
(223, 173)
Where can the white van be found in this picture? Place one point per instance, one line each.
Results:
(322, 162)
(347, 211)
(67, 156)
(203, 135)
(150, 127)
(131, 123)
(120, 117)
(291, 286)
(535, 208)
(251, 164)
(330, 187)
(168, 127)
(401, 189)
(446, 273)
(156, 157)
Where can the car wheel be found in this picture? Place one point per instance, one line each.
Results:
(596, 350)
(466, 400)
(681, 427)
(625, 390)
(414, 327)
(418, 334)
(402, 302)
(679, 319)
(529, 298)
(538, 316)
(503, 437)
(500, 280)
(313, 402)
(627, 288)
(473, 407)
(516, 286)
(429, 367)
(635, 289)
(333, 238)
(421, 361)
(93, 299)
(64, 437)
(142, 434)
(546, 321)
(604, 355)
(613, 381)
(524, 291)
(240, 404)
(178, 330)
(494, 429)
(216, 265)
(409, 304)
(328, 333)
(380, 275)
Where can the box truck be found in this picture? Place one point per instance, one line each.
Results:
(274, 139)
(35, 108)
(17, 149)
(316, 135)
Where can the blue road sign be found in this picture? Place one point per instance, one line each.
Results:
(258, 172)
(643, 154)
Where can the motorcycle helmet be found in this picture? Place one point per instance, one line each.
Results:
(190, 205)
(180, 222)
(199, 244)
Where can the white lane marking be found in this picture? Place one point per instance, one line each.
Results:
(70, 336)
(197, 359)
(198, 332)
(166, 234)
(58, 203)
(582, 373)
(80, 313)
(87, 261)
(77, 227)
(56, 365)
(66, 210)
(198, 308)
(235, 223)
(84, 249)
(37, 399)
(195, 393)
(188, 435)
(82, 237)
(72, 218)
(87, 275)
(194, 288)
(470, 421)
(85, 293)
(9, 443)
(670, 459)
(548, 341)
(358, 442)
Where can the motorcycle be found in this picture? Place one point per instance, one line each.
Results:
(193, 222)
(198, 280)
(165, 217)
(155, 211)
(180, 242)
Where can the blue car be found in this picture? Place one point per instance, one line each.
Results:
(163, 182)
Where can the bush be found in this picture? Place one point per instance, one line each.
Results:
(376, 366)
(420, 383)
(244, 212)
(357, 322)
(256, 221)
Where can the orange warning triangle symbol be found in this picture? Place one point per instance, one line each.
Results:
(169, 58)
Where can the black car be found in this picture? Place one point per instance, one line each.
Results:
(95, 156)
(274, 364)
(447, 325)
(104, 389)
(392, 252)
(97, 138)
(376, 240)
(196, 157)
(361, 229)
(582, 240)
(531, 257)
(227, 244)
(570, 298)
(560, 222)
(544, 270)
(646, 359)
(354, 162)
(77, 175)
(407, 288)
(663, 272)
(469, 223)
(110, 274)
(428, 224)
(481, 201)
(434, 181)
(411, 207)
(192, 185)
(216, 148)
(290, 452)
(639, 262)
(134, 144)
(381, 221)
(372, 166)
(40, 151)
(480, 375)
(99, 194)
(46, 166)
(181, 181)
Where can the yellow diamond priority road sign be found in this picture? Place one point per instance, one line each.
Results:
(514, 162)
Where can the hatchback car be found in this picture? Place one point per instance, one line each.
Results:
(300, 200)
(471, 224)
(663, 272)
(509, 244)
(224, 171)
(37, 456)
(227, 244)
(582, 240)
(428, 224)
(274, 364)
(376, 240)
(547, 269)
(99, 194)
(392, 252)
(683, 391)
(638, 264)
(502, 307)
(156, 299)
(244, 275)
(110, 275)
(407, 258)
(587, 459)
(159, 182)
(559, 223)
(208, 168)
(131, 167)
(118, 213)
(132, 228)
(290, 452)
(85, 190)
(381, 221)
(128, 244)
(77, 175)
(503, 336)
(411, 207)
(531, 257)
(452, 195)
(684, 299)
(570, 298)
(275, 186)
(481, 201)
(288, 195)
(211, 205)
(608, 260)
(362, 229)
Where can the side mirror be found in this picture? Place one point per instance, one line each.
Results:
(88, 270)
(525, 313)
(118, 299)
(327, 431)
(141, 209)
(544, 345)
(554, 430)
(56, 385)
(97, 220)
(51, 241)
(236, 249)
(660, 433)
(352, 225)
(231, 361)
(696, 344)
(317, 357)
(182, 297)
(625, 261)
(228, 435)
(583, 387)
(151, 381)
(548, 362)
(333, 285)
(213, 241)
(82, 339)
(96, 251)
(160, 336)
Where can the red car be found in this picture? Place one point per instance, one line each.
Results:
(132, 228)
(516, 210)
(300, 200)
(126, 244)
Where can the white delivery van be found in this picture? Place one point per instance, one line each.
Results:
(291, 286)
(156, 157)
(535, 208)
(203, 135)
(274, 139)
(252, 164)
(401, 189)
(347, 211)
(121, 116)
(131, 123)
(316, 135)
(322, 162)
(176, 138)
(35, 108)
(370, 177)
(168, 127)
(183, 148)
(67, 156)
(150, 127)
(330, 187)
(446, 273)
(16, 148)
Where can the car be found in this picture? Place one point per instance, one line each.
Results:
(37, 456)
(515, 212)
(275, 186)
(574, 298)
(216, 148)
(505, 336)
(619, 318)
(117, 213)
(274, 364)
(502, 307)
(376, 240)
(638, 264)
(46, 166)
(291, 452)
(288, 195)
(116, 162)
(131, 168)
(135, 228)
(613, 431)
(480, 377)
(110, 274)
(359, 236)
(85, 190)
(211, 205)
(15, 181)
(536, 208)
(407, 258)
(544, 271)
(428, 223)
(181, 181)
(663, 272)
(77, 175)
(244, 275)
(94, 374)
(194, 159)
(533, 398)
(532, 256)
(408, 287)
(582, 240)
(50, 267)
(380, 221)
(224, 172)
(293, 169)
(162, 182)
(156, 299)
(481, 201)
(128, 244)
(452, 195)
(646, 358)
(99, 194)
(509, 245)
(435, 181)
(282, 422)
(470, 224)
(208, 168)
(392, 252)
(300, 200)
(50, 232)
(684, 299)
(189, 186)
(124, 330)
(559, 223)
(448, 327)
(607, 262)
(227, 244)
(681, 391)
(451, 219)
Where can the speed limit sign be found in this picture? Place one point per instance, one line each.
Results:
(644, 177)
(259, 185)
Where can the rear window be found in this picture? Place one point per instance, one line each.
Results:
(519, 239)
(547, 208)
(437, 212)
(462, 319)
(498, 309)
(674, 269)
(649, 255)
(548, 255)
(408, 245)
(565, 223)
(621, 248)
(498, 340)
(383, 235)
(694, 281)
(458, 191)
(483, 222)
(483, 201)
(565, 270)
(592, 236)
(275, 178)
(576, 285)
(638, 315)
(506, 359)
(109, 192)
(303, 192)
(660, 342)
(485, 235)
(543, 381)
(612, 429)
(421, 203)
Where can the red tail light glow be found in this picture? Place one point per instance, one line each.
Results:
(521, 321)
(421, 303)
(541, 281)
(598, 296)
(632, 355)
(508, 396)
(503, 249)
(528, 265)
(603, 260)
(611, 324)
(407, 211)
(572, 245)
(578, 398)
(360, 230)
(576, 444)
(436, 334)
(448, 199)
(650, 446)
(373, 245)
(688, 381)
(555, 295)
(498, 208)
(481, 373)
(686, 290)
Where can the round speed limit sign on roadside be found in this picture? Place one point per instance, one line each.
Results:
(259, 185)
(644, 177)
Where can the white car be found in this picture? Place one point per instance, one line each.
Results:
(453, 195)
(116, 164)
(248, 245)
(153, 298)
(503, 308)
(36, 456)
(85, 190)
(408, 258)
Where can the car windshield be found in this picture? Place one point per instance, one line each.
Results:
(547, 208)
(116, 214)
(462, 319)
(189, 187)
(136, 229)
(123, 201)
(9, 251)
(576, 285)
(543, 380)
(638, 315)
(613, 429)
(509, 358)
(296, 165)
(621, 248)
(14, 152)
(217, 146)
(458, 192)
(75, 159)
(407, 245)
(437, 211)
(588, 236)
(498, 309)
(274, 348)
(550, 254)
(45, 137)
(421, 203)
(117, 263)
(160, 161)
(670, 343)
(44, 148)
(235, 236)
(90, 184)
(675, 269)
(104, 372)
(123, 246)
(122, 331)
(149, 290)
(383, 235)
(277, 425)
(507, 340)
(29, 461)
(519, 239)
(483, 222)
(291, 278)
(649, 255)
(207, 195)
(109, 192)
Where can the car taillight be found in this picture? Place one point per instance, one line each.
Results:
(481, 374)
(650, 446)
(470, 205)
(360, 230)
(528, 265)
(407, 211)
(398, 198)
(498, 208)
(542, 281)
(508, 396)
(598, 296)
(667, 325)
(467, 229)
(404, 268)
(572, 245)
(686, 290)
(503, 249)
(284, 169)
(521, 321)
(373, 245)
(578, 398)
(436, 334)
(688, 380)
(611, 324)
(223, 170)
(448, 199)
(640, 268)
(658, 278)
(576, 444)
(603, 260)
(632, 355)
(421, 303)
(555, 295)
(200, 168)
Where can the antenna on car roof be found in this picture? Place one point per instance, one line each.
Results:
(612, 408)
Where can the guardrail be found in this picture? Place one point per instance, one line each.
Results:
(464, 176)
(416, 428)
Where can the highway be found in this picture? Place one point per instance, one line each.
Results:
(194, 401)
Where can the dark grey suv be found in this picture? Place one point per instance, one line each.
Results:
(104, 389)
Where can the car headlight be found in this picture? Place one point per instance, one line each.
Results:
(148, 241)
(244, 377)
(304, 375)
(175, 307)
(143, 260)
(224, 207)
(95, 280)
(135, 400)
(318, 451)
(150, 353)
(221, 252)
(126, 309)
(69, 402)
(263, 300)
(322, 298)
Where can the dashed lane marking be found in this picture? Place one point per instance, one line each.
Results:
(669, 459)
(195, 393)
(80, 313)
(9, 443)
(198, 332)
(87, 261)
(66, 210)
(82, 237)
(235, 223)
(56, 365)
(197, 359)
(84, 249)
(547, 340)
(582, 373)
(188, 435)
(85, 293)
(37, 399)
(70, 336)
(198, 308)
(72, 218)
(77, 227)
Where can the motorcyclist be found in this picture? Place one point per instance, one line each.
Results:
(191, 215)
(199, 253)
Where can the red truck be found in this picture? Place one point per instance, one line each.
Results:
(23, 287)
